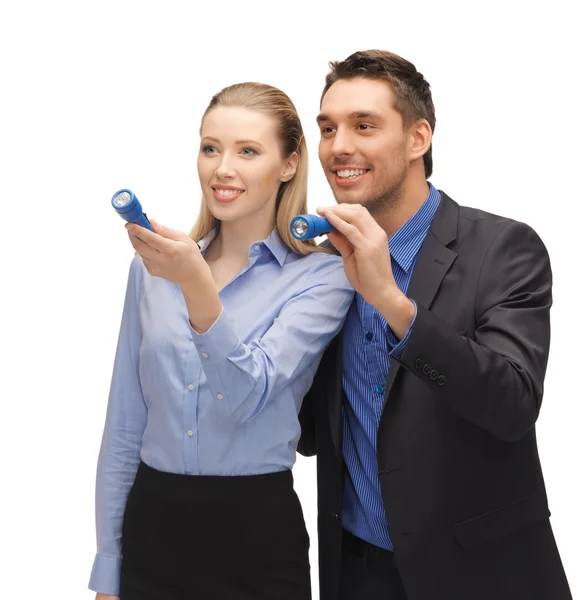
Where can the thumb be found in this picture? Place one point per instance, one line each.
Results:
(166, 232)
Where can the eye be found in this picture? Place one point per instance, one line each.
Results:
(207, 149)
(249, 151)
(327, 130)
(364, 126)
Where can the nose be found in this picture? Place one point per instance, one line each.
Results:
(342, 143)
(224, 169)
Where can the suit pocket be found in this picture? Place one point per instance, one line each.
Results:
(502, 521)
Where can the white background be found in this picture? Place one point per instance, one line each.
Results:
(104, 95)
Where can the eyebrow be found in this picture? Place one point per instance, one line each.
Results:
(365, 114)
(212, 139)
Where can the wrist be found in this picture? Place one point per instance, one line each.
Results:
(397, 310)
(203, 306)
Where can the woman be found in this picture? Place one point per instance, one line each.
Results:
(219, 343)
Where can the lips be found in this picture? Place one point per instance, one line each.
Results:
(226, 193)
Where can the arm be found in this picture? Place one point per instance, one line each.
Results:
(121, 443)
(247, 375)
(495, 380)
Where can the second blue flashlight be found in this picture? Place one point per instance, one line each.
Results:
(306, 227)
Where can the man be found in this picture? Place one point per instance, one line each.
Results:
(422, 412)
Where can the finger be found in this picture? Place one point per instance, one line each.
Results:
(356, 215)
(145, 250)
(167, 232)
(152, 239)
(350, 231)
(340, 243)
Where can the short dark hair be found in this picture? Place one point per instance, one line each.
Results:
(411, 89)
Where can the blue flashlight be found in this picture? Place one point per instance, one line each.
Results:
(305, 227)
(129, 208)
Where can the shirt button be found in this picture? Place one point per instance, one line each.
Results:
(219, 396)
(380, 389)
(205, 355)
(369, 335)
(189, 433)
(191, 386)
(257, 248)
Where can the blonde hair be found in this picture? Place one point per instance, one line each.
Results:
(291, 198)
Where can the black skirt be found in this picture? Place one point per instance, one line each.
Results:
(189, 537)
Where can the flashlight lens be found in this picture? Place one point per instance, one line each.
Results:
(300, 227)
(122, 199)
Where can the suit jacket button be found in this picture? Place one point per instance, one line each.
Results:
(441, 380)
(426, 369)
(419, 364)
(434, 374)
(335, 515)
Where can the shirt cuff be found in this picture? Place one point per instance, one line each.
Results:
(106, 575)
(218, 342)
(397, 346)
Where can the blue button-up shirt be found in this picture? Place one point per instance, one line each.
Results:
(225, 402)
(368, 345)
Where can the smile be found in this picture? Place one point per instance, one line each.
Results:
(226, 194)
(349, 176)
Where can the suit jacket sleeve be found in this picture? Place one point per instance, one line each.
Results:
(307, 441)
(494, 380)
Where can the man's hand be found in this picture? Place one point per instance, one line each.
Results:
(364, 247)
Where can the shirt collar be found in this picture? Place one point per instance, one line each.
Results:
(406, 241)
(276, 246)
(273, 242)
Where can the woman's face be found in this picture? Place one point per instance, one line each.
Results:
(240, 164)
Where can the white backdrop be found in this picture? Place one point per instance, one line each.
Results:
(97, 96)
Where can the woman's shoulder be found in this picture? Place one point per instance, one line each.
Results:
(323, 267)
(317, 260)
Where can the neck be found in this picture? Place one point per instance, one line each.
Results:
(412, 195)
(235, 238)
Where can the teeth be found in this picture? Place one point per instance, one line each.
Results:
(227, 193)
(351, 173)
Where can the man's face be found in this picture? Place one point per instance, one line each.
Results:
(363, 146)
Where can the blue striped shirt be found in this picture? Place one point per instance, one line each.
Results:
(224, 402)
(366, 360)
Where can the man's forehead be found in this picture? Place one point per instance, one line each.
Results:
(357, 98)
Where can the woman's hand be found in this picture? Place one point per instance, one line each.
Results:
(170, 254)
(173, 255)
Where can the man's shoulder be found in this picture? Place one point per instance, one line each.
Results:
(478, 222)
(468, 212)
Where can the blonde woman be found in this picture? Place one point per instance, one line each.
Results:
(219, 343)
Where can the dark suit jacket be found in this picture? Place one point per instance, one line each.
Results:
(457, 458)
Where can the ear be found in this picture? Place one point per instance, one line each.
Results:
(289, 169)
(419, 139)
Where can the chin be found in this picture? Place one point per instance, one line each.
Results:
(224, 215)
(350, 196)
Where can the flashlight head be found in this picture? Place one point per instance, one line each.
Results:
(121, 200)
(299, 227)
(124, 201)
